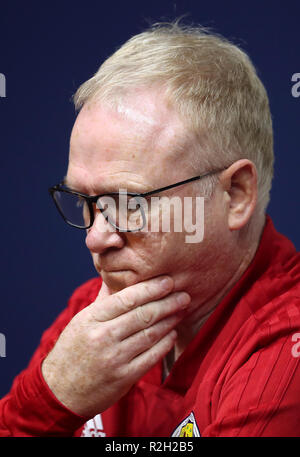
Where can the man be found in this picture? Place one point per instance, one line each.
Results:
(178, 337)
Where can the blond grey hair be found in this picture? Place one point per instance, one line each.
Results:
(210, 82)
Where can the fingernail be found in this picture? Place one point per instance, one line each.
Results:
(166, 283)
(183, 299)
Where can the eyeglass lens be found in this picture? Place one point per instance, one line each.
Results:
(122, 211)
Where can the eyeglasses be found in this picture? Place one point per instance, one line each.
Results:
(125, 211)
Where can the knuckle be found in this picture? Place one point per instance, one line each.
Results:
(96, 337)
(110, 367)
(124, 302)
(110, 333)
(144, 315)
(148, 290)
(124, 371)
(150, 335)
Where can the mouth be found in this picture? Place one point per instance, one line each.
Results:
(110, 269)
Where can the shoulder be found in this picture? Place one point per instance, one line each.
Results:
(275, 297)
(82, 296)
(273, 291)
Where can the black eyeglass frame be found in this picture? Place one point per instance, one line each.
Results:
(92, 199)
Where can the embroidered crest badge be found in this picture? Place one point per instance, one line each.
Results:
(188, 427)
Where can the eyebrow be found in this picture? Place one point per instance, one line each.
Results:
(66, 183)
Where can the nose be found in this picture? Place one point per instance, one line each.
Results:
(102, 236)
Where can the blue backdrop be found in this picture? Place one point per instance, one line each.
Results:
(47, 50)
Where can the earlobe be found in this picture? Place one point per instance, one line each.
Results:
(241, 186)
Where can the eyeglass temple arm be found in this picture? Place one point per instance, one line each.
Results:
(195, 178)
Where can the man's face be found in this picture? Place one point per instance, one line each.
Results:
(140, 146)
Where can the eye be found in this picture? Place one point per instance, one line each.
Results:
(133, 205)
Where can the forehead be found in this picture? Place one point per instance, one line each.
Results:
(138, 140)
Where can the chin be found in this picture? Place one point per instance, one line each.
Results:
(118, 280)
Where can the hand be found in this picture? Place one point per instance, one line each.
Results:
(112, 343)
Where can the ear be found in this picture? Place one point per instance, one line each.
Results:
(239, 181)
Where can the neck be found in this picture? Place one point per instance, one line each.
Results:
(200, 310)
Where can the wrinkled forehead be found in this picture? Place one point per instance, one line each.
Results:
(140, 132)
(121, 128)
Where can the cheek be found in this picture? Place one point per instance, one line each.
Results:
(151, 251)
(167, 250)
(94, 260)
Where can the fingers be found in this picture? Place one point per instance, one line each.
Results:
(143, 317)
(139, 323)
(130, 298)
(146, 339)
(148, 359)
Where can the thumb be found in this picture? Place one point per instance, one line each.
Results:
(104, 291)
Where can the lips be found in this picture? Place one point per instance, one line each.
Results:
(109, 268)
(110, 263)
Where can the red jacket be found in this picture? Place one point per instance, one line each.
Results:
(239, 376)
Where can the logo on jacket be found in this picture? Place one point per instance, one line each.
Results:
(93, 428)
(188, 427)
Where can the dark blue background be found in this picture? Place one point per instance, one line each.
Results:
(47, 50)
